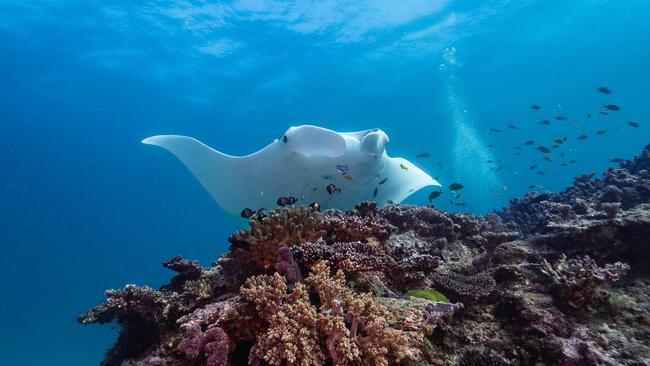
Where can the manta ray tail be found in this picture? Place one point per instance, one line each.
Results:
(211, 168)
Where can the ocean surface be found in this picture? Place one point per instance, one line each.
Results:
(86, 207)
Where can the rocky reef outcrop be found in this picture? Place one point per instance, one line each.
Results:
(554, 279)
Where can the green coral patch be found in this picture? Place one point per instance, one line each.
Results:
(429, 294)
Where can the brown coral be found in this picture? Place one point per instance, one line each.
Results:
(292, 334)
(256, 250)
(348, 328)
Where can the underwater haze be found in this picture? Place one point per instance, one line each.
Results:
(86, 206)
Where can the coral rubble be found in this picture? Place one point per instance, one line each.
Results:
(553, 279)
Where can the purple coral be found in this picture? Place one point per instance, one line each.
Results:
(213, 344)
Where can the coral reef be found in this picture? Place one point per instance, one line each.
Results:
(553, 279)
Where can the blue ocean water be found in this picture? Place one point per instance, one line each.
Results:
(86, 207)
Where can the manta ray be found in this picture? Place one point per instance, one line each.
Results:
(307, 163)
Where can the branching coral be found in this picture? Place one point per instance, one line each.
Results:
(348, 328)
(575, 280)
(256, 250)
(292, 334)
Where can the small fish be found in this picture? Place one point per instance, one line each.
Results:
(588, 114)
(572, 161)
(541, 172)
(459, 203)
(348, 176)
(390, 202)
(494, 194)
(327, 177)
(564, 164)
(612, 107)
(331, 188)
(488, 161)
(383, 181)
(601, 132)
(433, 195)
(403, 166)
(315, 206)
(514, 127)
(544, 122)
(555, 146)
(543, 149)
(582, 137)
(604, 90)
(494, 130)
(286, 201)
(374, 193)
(617, 160)
(422, 155)
(560, 118)
(455, 187)
(565, 138)
(548, 158)
(490, 145)
(532, 166)
(535, 107)
(247, 213)
(558, 141)
(634, 124)
(505, 188)
(457, 195)
(529, 142)
(603, 110)
(342, 168)
(531, 186)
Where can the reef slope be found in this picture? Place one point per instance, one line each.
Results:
(554, 279)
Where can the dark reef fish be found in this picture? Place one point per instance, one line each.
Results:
(433, 195)
(331, 188)
(511, 126)
(582, 137)
(617, 160)
(529, 142)
(247, 213)
(604, 90)
(611, 107)
(494, 130)
(374, 193)
(286, 201)
(634, 124)
(601, 132)
(543, 149)
(532, 166)
(560, 118)
(535, 107)
(422, 155)
(455, 187)
(383, 181)
(544, 122)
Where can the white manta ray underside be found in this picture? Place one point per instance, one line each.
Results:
(310, 163)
